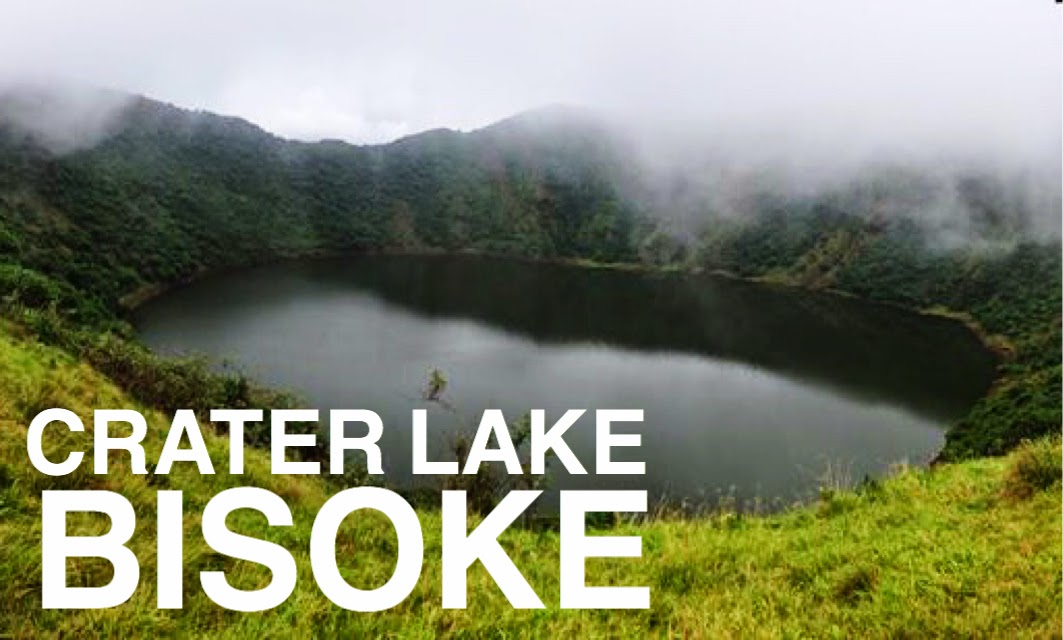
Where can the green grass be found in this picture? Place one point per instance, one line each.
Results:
(954, 551)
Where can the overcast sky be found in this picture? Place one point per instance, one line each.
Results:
(373, 71)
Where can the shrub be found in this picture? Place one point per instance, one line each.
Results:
(855, 584)
(1035, 466)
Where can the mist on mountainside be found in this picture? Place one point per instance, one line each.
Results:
(960, 198)
(690, 111)
(61, 117)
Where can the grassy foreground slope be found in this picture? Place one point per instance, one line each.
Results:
(962, 550)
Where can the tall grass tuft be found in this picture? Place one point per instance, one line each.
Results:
(1037, 465)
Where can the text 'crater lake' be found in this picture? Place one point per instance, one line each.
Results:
(747, 390)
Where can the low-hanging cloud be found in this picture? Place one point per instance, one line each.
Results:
(716, 93)
(61, 117)
(860, 72)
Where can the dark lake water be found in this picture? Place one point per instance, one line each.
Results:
(748, 390)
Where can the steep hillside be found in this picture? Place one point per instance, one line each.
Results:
(201, 191)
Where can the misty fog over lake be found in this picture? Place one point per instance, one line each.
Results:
(749, 391)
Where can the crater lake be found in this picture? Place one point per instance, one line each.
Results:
(752, 394)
